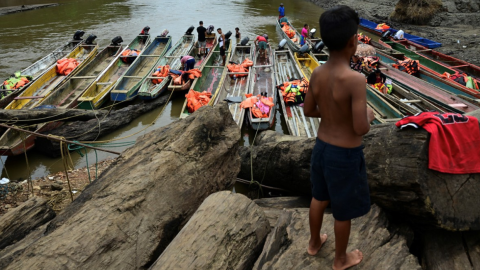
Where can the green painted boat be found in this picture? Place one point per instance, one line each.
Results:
(97, 93)
(213, 76)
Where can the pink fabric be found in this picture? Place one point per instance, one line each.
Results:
(263, 108)
(304, 32)
(185, 59)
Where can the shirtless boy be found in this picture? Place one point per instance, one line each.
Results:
(337, 95)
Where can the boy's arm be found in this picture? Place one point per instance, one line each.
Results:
(310, 107)
(362, 116)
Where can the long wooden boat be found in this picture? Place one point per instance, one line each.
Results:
(127, 86)
(447, 85)
(149, 90)
(97, 93)
(383, 110)
(46, 83)
(38, 68)
(213, 76)
(287, 69)
(263, 80)
(438, 96)
(236, 86)
(371, 27)
(200, 61)
(293, 43)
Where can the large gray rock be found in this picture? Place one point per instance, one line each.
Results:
(398, 175)
(443, 250)
(126, 218)
(273, 207)
(21, 220)
(227, 232)
(286, 245)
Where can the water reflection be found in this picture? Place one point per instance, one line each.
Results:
(28, 36)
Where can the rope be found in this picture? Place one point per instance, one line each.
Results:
(30, 184)
(65, 166)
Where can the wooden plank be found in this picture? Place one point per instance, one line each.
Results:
(84, 77)
(458, 105)
(32, 97)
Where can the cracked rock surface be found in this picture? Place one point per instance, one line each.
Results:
(126, 218)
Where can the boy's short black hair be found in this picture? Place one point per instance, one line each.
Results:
(236, 28)
(305, 25)
(337, 26)
(201, 22)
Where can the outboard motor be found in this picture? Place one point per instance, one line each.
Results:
(244, 41)
(164, 33)
(282, 44)
(145, 30)
(90, 39)
(312, 33)
(318, 47)
(210, 29)
(78, 35)
(387, 34)
(116, 41)
(190, 30)
(304, 49)
(228, 35)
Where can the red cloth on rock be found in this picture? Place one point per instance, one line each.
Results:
(454, 141)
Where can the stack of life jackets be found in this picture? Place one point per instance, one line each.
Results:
(17, 81)
(129, 52)
(66, 65)
(259, 105)
(372, 61)
(290, 32)
(161, 72)
(294, 92)
(463, 79)
(409, 66)
(363, 38)
(243, 67)
(382, 27)
(196, 100)
(181, 77)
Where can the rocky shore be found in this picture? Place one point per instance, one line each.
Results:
(165, 203)
(455, 24)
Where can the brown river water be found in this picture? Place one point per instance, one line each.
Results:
(27, 36)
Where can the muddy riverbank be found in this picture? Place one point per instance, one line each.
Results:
(455, 25)
(22, 8)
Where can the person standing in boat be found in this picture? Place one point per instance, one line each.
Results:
(238, 35)
(304, 37)
(188, 62)
(202, 41)
(281, 11)
(261, 42)
(221, 44)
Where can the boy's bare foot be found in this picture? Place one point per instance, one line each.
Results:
(313, 248)
(353, 258)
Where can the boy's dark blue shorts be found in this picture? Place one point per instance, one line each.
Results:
(339, 175)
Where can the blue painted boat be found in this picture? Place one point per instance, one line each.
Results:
(371, 27)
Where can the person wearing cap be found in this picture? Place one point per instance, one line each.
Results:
(262, 43)
(202, 41)
(281, 11)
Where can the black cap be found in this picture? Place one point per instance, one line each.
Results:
(281, 4)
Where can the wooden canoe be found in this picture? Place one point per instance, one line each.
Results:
(38, 68)
(98, 92)
(127, 86)
(45, 84)
(149, 90)
(287, 69)
(211, 43)
(213, 76)
(293, 43)
(237, 86)
(263, 80)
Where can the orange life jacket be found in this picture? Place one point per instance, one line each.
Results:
(247, 63)
(364, 39)
(196, 100)
(66, 65)
(129, 52)
(382, 27)
(462, 78)
(286, 28)
(409, 66)
(372, 61)
(293, 96)
(161, 72)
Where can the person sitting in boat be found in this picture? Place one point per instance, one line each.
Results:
(377, 79)
(356, 63)
(281, 11)
(221, 44)
(188, 62)
(262, 43)
(304, 37)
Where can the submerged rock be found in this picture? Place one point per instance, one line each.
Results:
(227, 232)
(126, 218)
